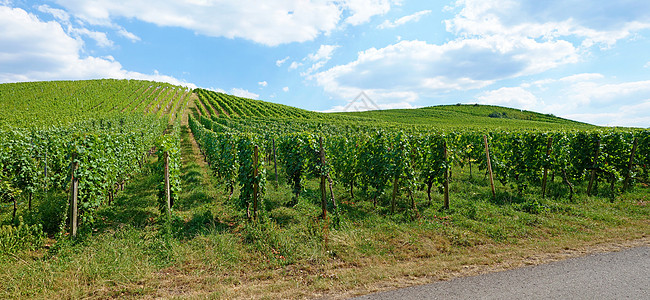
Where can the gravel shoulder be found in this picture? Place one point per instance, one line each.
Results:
(614, 275)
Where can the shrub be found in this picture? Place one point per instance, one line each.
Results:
(20, 238)
(495, 115)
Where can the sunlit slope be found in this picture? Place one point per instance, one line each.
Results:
(215, 104)
(220, 105)
(64, 102)
(471, 116)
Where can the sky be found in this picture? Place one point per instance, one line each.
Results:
(587, 60)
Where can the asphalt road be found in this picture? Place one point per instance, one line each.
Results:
(617, 275)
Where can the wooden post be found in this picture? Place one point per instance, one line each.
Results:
(275, 163)
(593, 169)
(331, 184)
(74, 193)
(327, 175)
(256, 185)
(445, 183)
(323, 197)
(168, 195)
(323, 189)
(489, 165)
(392, 199)
(548, 153)
(413, 207)
(626, 183)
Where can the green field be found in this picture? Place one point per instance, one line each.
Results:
(272, 201)
(473, 117)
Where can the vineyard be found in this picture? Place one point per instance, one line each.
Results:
(85, 139)
(358, 153)
(146, 178)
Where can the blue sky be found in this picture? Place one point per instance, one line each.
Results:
(587, 60)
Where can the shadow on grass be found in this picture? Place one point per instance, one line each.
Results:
(356, 208)
(201, 222)
(193, 199)
(191, 177)
(136, 205)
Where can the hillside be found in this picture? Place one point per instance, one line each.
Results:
(62, 102)
(471, 116)
(213, 104)
(28, 104)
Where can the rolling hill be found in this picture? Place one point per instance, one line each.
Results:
(40, 103)
(475, 116)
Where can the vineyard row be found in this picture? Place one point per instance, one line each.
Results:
(372, 160)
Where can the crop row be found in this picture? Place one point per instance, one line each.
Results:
(373, 159)
(99, 156)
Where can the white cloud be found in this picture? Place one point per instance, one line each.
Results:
(294, 65)
(582, 77)
(362, 10)
(130, 36)
(100, 37)
(627, 115)
(647, 65)
(372, 100)
(285, 89)
(31, 50)
(515, 97)
(64, 18)
(263, 83)
(320, 58)
(271, 23)
(495, 40)
(244, 93)
(544, 83)
(59, 14)
(416, 67)
(587, 97)
(237, 92)
(323, 53)
(593, 22)
(593, 93)
(377, 99)
(280, 62)
(382, 106)
(403, 20)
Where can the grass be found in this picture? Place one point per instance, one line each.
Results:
(214, 253)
